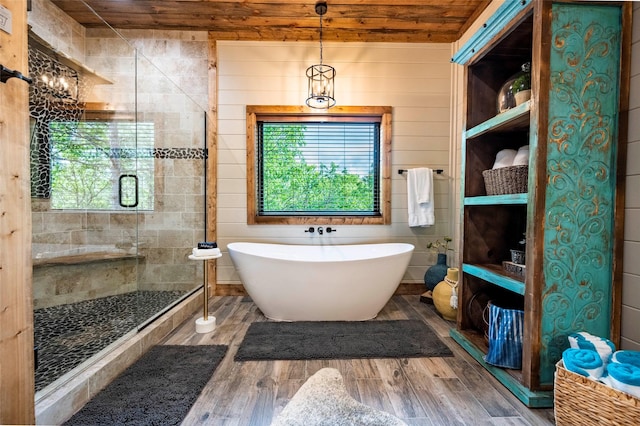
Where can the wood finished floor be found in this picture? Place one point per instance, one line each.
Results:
(421, 391)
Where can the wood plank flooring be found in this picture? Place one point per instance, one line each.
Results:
(421, 391)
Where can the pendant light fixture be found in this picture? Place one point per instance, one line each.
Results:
(321, 77)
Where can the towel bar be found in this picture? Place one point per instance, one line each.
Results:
(438, 171)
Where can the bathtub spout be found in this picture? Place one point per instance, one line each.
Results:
(320, 230)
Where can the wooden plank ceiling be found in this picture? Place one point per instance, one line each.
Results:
(410, 21)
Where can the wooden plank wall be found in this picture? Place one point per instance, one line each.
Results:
(16, 303)
(272, 73)
(212, 158)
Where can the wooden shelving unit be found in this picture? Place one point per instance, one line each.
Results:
(572, 270)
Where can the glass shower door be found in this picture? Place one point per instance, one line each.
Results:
(118, 175)
(174, 221)
(84, 169)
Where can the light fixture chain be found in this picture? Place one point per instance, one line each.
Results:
(321, 39)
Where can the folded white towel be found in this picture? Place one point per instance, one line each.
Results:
(504, 158)
(206, 252)
(420, 197)
(522, 156)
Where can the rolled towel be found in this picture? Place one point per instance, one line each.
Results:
(522, 156)
(584, 340)
(199, 252)
(626, 357)
(584, 362)
(624, 377)
(504, 158)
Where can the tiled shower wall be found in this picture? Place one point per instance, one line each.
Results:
(57, 28)
(164, 62)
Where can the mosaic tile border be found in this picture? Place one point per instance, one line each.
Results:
(180, 153)
(159, 153)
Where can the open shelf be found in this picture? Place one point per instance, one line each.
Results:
(489, 200)
(474, 344)
(516, 118)
(494, 274)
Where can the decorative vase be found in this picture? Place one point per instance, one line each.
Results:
(445, 295)
(518, 82)
(436, 273)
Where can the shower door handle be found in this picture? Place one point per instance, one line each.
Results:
(124, 191)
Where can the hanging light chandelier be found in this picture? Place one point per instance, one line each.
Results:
(321, 77)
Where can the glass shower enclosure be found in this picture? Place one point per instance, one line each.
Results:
(117, 181)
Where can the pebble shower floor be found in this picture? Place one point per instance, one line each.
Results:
(68, 335)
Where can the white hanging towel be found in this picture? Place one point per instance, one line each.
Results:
(420, 197)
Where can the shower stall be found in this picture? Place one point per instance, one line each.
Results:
(117, 183)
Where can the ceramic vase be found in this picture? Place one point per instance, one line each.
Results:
(436, 273)
(445, 295)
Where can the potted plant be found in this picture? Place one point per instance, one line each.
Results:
(440, 246)
(521, 86)
(437, 272)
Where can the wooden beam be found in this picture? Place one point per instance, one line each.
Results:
(353, 36)
(212, 157)
(16, 300)
(417, 21)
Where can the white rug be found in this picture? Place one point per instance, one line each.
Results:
(323, 400)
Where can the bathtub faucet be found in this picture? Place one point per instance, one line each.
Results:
(311, 230)
(330, 230)
(320, 230)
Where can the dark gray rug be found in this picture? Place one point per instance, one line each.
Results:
(340, 340)
(158, 389)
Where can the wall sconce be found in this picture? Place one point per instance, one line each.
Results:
(320, 76)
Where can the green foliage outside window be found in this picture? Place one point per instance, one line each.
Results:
(89, 157)
(294, 182)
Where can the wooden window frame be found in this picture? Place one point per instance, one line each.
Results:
(382, 113)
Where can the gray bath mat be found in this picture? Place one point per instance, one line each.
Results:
(158, 389)
(340, 340)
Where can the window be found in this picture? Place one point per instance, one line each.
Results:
(310, 167)
(88, 159)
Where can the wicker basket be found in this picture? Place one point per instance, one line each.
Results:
(506, 180)
(582, 401)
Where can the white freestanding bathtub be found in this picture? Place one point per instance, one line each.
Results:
(320, 283)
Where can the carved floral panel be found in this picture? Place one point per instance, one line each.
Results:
(581, 170)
